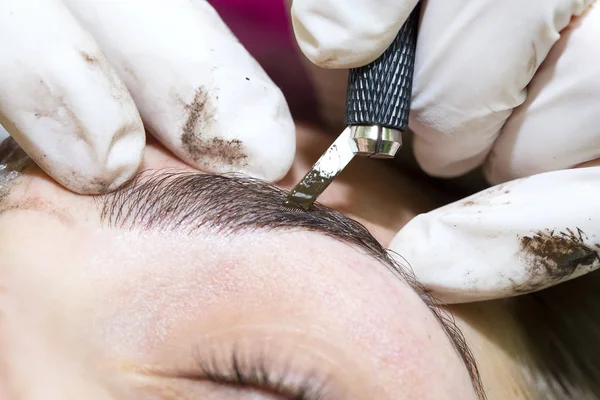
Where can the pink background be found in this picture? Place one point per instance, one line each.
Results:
(262, 26)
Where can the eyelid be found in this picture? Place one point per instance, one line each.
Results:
(204, 369)
(291, 359)
(254, 371)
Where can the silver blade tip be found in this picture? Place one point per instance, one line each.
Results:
(297, 201)
(323, 172)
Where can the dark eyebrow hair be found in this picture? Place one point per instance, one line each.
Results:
(228, 204)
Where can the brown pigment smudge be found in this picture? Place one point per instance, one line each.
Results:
(96, 186)
(88, 58)
(212, 150)
(532, 65)
(39, 205)
(552, 256)
(487, 196)
(129, 70)
(200, 113)
(117, 87)
(52, 109)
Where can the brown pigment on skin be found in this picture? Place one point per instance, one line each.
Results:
(39, 205)
(551, 256)
(211, 150)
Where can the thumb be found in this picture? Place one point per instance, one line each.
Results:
(510, 239)
(347, 33)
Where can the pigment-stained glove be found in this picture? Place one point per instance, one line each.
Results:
(514, 238)
(80, 79)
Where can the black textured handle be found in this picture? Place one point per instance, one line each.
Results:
(379, 93)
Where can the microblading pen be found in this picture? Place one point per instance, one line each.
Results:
(377, 109)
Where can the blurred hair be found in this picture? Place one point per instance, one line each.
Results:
(561, 331)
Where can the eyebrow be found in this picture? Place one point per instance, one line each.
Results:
(173, 200)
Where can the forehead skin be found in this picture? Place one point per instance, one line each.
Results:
(134, 308)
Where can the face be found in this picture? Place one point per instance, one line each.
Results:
(123, 297)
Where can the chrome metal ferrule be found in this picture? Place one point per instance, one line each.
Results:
(376, 141)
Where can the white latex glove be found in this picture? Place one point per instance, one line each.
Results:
(79, 80)
(510, 85)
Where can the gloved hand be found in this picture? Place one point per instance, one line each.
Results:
(80, 79)
(513, 86)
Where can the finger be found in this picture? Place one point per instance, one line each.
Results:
(62, 102)
(473, 63)
(198, 90)
(558, 126)
(347, 33)
(511, 239)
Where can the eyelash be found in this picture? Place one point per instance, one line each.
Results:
(255, 373)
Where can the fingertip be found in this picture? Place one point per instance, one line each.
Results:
(330, 51)
(272, 156)
(270, 133)
(336, 35)
(95, 170)
(85, 151)
(64, 104)
(510, 239)
(438, 159)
